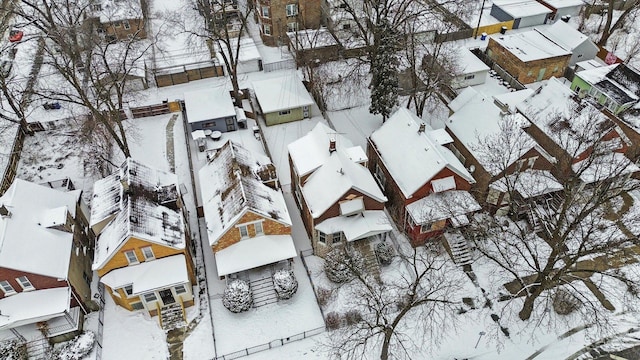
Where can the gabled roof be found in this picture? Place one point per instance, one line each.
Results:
(413, 158)
(627, 78)
(530, 45)
(469, 63)
(209, 103)
(312, 150)
(131, 201)
(283, 93)
(333, 179)
(25, 243)
(566, 35)
(231, 186)
(480, 120)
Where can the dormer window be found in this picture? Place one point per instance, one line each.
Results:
(148, 253)
(7, 288)
(25, 283)
(131, 257)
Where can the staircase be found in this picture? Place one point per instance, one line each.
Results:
(263, 291)
(371, 265)
(172, 317)
(460, 251)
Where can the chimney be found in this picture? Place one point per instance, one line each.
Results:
(421, 128)
(566, 18)
(4, 212)
(332, 145)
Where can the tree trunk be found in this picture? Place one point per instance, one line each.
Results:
(384, 352)
(529, 302)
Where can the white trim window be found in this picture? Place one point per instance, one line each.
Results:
(128, 290)
(126, 25)
(258, 228)
(379, 175)
(147, 251)
(180, 289)
(131, 257)
(265, 11)
(150, 297)
(292, 9)
(292, 27)
(7, 288)
(284, 112)
(25, 283)
(244, 231)
(267, 29)
(322, 237)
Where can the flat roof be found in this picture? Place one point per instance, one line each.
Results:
(530, 45)
(281, 93)
(522, 8)
(206, 104)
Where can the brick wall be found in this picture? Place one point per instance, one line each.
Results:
(117, 29)
(309, 17)
(38, 281)
(269, 227)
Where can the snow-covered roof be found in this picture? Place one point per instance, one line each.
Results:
(560, 4)
(565, 35)
(29, 307)
(25, 243)
(8, 132)
(595, 75)
(312, 38)
(334, 179)
(590, 64)
(573, 126)
(521, 8)
(116, 10)
(283, 93)
(149, 275)
(131, 202)
(413, 158)
(442, 205)
(480, 118)
(603, 167)
(231, 185)
(360, 226)
(621, 84)
(529, 184)
(312, 150)
(254, 252)
(248, 50)
(207, 104)
(530, 45)
(469, 63)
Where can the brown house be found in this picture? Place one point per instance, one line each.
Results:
(412, 165)
(120, 19)
(45, 262)
(528, 56)
(278, 17)
(144, 255)
(248, 223)
(339, 199)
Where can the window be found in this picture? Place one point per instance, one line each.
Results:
(6, 287)
(244, 232)
(322, 237)
(180, 289)
(424, 228)
(265, 11)
(148, 253)
(284, 112)
(379, 174)
(492, 197)
(292, 9)
(131, 257)
(469, 77)
(150, 297)
(137, 306)
(292, 27)
(128, 290)
(267, 29)
(126, 25)
(25, 283)
(346, 26)
(258, 228)
(337, 238)
(117, 24)
(532, 161)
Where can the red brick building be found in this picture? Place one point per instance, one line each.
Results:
(278, 17)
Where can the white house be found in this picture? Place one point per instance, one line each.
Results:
(524, 13)
(249, 58)
(210, 109)
(471, 70)
(573, 40)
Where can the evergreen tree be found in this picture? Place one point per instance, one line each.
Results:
(384, 82)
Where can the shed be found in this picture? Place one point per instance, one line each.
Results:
(562, 8)
(472, 70)
(283, 99)
(524, 13)
(210, 109)
(573, 40)
(249, 59)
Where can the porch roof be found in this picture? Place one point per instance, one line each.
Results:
(529, 184)
(441, 206)
(254, 252)
(33, 306)
(356, 227)
(149, 275)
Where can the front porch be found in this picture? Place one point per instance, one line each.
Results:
(260, 281)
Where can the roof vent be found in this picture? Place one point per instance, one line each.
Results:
(332, 145)
(421, 128)
(4, 212)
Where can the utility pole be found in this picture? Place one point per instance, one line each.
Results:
(479, 18)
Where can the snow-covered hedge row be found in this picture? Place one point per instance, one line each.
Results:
(285, 283)
(237, 296)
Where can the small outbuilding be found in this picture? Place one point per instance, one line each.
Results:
(471, 70)
(573, 40)
(562, 8)
(524, 13)
(210, 109)
(283, 99)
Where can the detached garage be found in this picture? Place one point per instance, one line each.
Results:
(471, 70)
(283, 99)
(524, 13)
(210, 109)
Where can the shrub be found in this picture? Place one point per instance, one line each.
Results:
(353, 317)
(342, 265)
(285, 283)
(237, 296)
(384, 251)
(77, 348)
(333, 320)
(323, 296)
(13, 350)
(564, 303)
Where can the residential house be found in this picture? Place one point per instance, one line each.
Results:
(248, 224)
(276, 18)
(507, 163)
(524, 13)
(616, 87)
(585, 141)
(120, 19)
(144, 255)
(226, 13)
(569, 38)
(45, 263)
(210, 109)
(339, 199)
(471, 70)
(562, 8)
(528, 56)
(283, 99)
(426, 184)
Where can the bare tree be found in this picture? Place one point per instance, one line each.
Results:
(394, 317)
(610, 25)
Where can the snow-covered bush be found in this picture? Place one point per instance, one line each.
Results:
(77, 348)
(341, 266)
(13, 350)
(285, 283)
(384, 252)
(237, 296)
(352, 317)
(333, 320)
(323, 296)
(564, 303)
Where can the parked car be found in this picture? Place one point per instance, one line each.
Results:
(15, 35)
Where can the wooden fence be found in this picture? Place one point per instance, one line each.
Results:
(184, 73)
